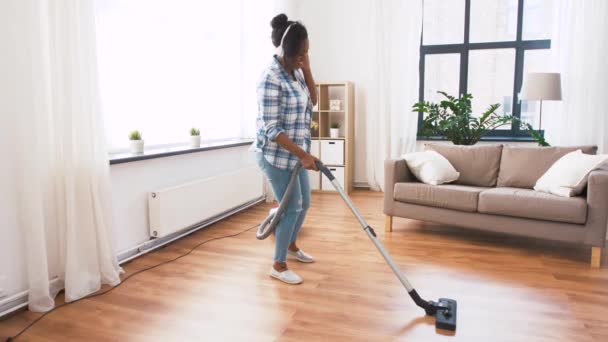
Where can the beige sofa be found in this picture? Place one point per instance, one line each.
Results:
(495, 193)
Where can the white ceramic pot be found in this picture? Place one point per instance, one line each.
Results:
(195, 141)
(334, 132)
(137, 146)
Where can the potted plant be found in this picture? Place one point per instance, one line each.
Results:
(453, 119)
(195, 137)
(334, 130)
(137, 144)
(314, 128)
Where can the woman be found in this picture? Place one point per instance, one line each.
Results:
(286, 94)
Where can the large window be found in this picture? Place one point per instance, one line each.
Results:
(168, 65)
(485, 47)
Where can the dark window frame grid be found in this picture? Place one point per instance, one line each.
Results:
(520, 46)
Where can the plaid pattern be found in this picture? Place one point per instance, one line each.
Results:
(284, 106)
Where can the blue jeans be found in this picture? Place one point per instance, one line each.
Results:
(289, 227)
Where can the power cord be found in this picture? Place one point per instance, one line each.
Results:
(12, 338)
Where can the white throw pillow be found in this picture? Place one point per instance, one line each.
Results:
(431, 167)
(568, 176)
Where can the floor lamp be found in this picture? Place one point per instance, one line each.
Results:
(542, 86)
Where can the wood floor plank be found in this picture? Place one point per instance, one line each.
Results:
(508, 288)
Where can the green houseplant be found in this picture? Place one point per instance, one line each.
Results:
(536, 135)
(453, 118)
(195, 137)
(137, 144)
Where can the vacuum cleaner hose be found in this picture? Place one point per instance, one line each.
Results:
(270, 223)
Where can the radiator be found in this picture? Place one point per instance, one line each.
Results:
(176, 208)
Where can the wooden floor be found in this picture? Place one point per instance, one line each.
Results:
(508, 289)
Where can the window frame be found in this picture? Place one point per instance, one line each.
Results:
(519, 44)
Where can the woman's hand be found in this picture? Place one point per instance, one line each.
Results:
(304, 62)
(309, 162)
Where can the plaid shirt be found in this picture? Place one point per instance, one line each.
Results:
(284, 106)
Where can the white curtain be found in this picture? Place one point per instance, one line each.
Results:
(579, 46)
(50, 100)
(391, 125)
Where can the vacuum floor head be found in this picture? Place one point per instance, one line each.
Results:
(445, 317)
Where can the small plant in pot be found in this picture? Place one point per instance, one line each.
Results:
(137, 144)
(334, 130)
(195, 137)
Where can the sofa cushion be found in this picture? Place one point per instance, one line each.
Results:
(568, 176)
(449, 196)
(478, 165)
(533, 204)
(430, 167)
(521, 167)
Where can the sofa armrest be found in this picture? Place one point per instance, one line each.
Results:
(597, 208)
(395, 171)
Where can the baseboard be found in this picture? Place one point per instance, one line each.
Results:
(20, 300)
(13, 303)
(361, 185)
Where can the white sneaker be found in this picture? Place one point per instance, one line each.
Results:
(286, 276)
(301, 256)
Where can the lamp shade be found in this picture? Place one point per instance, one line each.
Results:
(542, 86)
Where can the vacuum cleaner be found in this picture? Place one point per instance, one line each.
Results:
(443, 309)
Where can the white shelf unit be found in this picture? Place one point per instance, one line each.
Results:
(336, 153)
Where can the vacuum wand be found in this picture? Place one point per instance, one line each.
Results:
(444, 309)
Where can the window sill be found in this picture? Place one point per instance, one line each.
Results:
(491, 139)
(162, 152)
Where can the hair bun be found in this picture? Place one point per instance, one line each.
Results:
(280, 21)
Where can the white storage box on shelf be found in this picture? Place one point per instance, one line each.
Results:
(332, 152)
(338, 172)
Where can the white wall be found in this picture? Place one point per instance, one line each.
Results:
(130, 184)
(340, 50)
